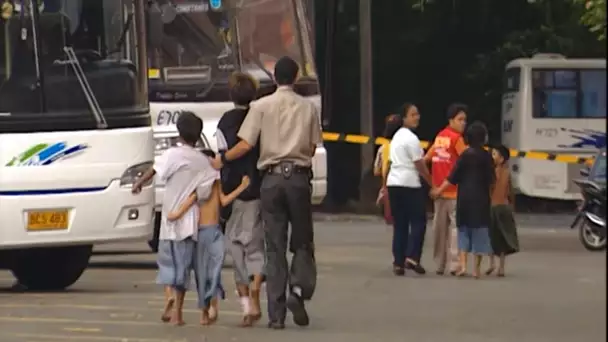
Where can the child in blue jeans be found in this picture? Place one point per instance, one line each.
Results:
(184, 170)
(209, 255)
(474, 175)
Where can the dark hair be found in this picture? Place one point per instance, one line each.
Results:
(189, 127)
(503, 151)
(392, 125)
(286, 71)
(456, 108)
(476, 134)
(243, 88)
(405, 108)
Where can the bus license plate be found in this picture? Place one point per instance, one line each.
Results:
(47, 220)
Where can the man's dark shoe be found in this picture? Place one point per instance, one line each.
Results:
(296, 305)
(276, 325)
(415, 267)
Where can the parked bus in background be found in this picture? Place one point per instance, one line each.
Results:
(75, 132)
(556, 105)
(196, 45)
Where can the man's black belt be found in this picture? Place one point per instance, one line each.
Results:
(287, 168)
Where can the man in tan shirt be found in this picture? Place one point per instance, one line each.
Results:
(288, 129)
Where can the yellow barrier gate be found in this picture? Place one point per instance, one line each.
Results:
(363, 139)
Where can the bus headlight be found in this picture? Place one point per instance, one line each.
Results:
(162, 144)
(132, 174)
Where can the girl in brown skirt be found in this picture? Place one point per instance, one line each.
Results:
(503, 232)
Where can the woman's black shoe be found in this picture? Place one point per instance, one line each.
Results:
(276, 325)
(398, 271)
(416, 268)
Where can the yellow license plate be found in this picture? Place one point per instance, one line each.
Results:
(153, 73)
(47, 220)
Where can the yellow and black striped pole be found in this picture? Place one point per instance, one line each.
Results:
(363, 139)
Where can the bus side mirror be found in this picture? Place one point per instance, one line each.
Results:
(584, 172)
(155, 26)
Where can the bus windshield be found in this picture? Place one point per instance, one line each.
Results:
(205, 40)
(195, 40)
(69, 58)
(270, 29)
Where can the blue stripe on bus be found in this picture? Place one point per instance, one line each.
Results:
(51, 151)
(35, 192)
(64, 153)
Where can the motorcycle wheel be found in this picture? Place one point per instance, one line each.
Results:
(590, 240)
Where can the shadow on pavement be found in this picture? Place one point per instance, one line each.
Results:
(121, 252)
(124, 265)
(17, 288)
(131, 265)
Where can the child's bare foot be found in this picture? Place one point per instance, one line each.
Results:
(256, 310)
(212, 316)
(209, 316)
(214, 310)
(476, 273)
(247, 321)
(205, 318)
(501, 273)
(177, 320)
(462, 272)
(166, 316)
(256, 316)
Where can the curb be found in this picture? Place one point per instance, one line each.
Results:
(521, 218)
(346, 217)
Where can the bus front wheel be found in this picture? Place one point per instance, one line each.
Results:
(51, 269)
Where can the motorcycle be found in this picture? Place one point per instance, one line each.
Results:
(591, 216)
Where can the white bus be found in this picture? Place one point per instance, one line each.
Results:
(555, 105)
(198, 44)
(75, 132)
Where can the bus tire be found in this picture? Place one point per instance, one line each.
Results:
(153, 243)
(51, 269)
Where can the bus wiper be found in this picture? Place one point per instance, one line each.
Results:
(259, 64)
(35, 15)
(86, 88)
(123, 35)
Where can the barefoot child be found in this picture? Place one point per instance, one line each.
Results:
(503, 233)
(474, 175)
(182, 169)
(210, 245)
(244, 229)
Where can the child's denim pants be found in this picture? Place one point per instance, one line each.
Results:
(208, 264)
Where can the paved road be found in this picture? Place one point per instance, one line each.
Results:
(555, 291)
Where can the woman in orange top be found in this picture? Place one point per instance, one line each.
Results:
(446, 149)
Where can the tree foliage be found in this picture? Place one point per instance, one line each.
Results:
(467, 43)
(594, 16)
